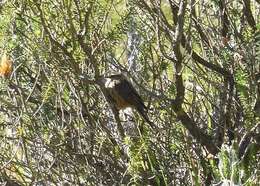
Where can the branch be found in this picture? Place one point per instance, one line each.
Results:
(176, 47)
(224, 18)
(249, 16)
(194, 130)
(189, 124)
(196, 56)
(54, 41)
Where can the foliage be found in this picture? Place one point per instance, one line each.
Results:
(195, 64)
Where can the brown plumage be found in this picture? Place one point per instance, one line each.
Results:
(123, 95)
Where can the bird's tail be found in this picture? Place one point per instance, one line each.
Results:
(143, 113)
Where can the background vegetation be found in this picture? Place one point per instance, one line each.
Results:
(195, 64)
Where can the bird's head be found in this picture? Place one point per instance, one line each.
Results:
(111, 80)
(118, 76)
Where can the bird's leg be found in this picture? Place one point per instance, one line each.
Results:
(118, 122)
(141, 128)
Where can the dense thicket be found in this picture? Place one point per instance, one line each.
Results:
(195, 64)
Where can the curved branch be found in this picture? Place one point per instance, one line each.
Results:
(249, 16)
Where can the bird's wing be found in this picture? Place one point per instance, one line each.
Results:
(128, 93)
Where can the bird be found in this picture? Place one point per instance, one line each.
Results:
(123, 95)
(6, 66)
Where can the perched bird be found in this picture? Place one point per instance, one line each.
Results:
(6, 66)
(123, 95)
